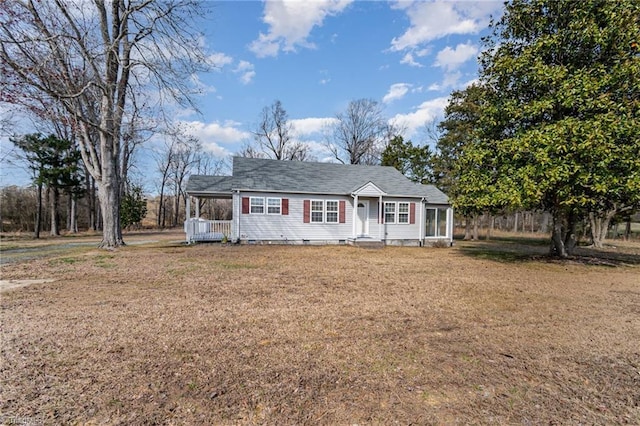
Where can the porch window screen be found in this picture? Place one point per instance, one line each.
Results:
(436, 222)
(442, 222)
(431, 223)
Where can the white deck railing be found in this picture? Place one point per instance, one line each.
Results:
(207, 230)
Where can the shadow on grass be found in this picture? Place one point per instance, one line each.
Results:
(531, 249)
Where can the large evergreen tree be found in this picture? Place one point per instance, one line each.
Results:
(565, 110)
(54, 163)
(413, 161)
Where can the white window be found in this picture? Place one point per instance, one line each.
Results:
(332, 212)
(256, 205)
(274, 206)
(436, 222)
(317, 211)
(390, 212)
(442, 222)
(403, 212)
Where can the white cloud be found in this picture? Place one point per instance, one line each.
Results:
(218, 60)
(246, 71)
(471, 82)
(212, 135)
(396, 91)
(451, 59)
(433, 20)
(408, 60)
(308, 126)
(449, 80)
(290, 23)
(426, 112)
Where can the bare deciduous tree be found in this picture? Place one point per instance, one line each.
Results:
(184, 159)
(85, 54)
(359, 135)
(275, 136)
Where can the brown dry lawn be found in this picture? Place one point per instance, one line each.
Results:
(168, 334)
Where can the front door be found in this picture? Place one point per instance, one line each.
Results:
(362, 224)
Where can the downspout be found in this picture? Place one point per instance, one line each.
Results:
(237, 209)
(354, 219)
(380, 224)
(188, 216)
(450, 224)
(421, 224)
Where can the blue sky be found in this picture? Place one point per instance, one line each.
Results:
(316, 56)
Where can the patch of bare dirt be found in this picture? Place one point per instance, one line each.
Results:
(212, 334)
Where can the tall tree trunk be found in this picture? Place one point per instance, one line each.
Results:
(73, 215)
(599, 225)
(557, 238)
(55, 215)
(109, 195)
(627, 229)
(490, 226)
(38, 212)
(515, 222)
(532, 217)
(68, 206)
(476, 219)
(92, 217)
(570, 240)
(467, 227)
(177, 209)
(159, 219)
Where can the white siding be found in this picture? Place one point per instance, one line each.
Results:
(369, 190)
(403, 231)
(291, 227)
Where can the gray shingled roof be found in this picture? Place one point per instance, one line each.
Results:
(256, 174)
(202, 184)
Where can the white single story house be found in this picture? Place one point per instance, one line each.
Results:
(319, 203)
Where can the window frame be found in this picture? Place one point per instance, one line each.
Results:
(403, 214)
(279, 206)
(392, 213)
(252, 205)
(312, 211)
(439, 222)
(327, 211)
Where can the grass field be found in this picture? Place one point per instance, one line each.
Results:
(481, 333)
